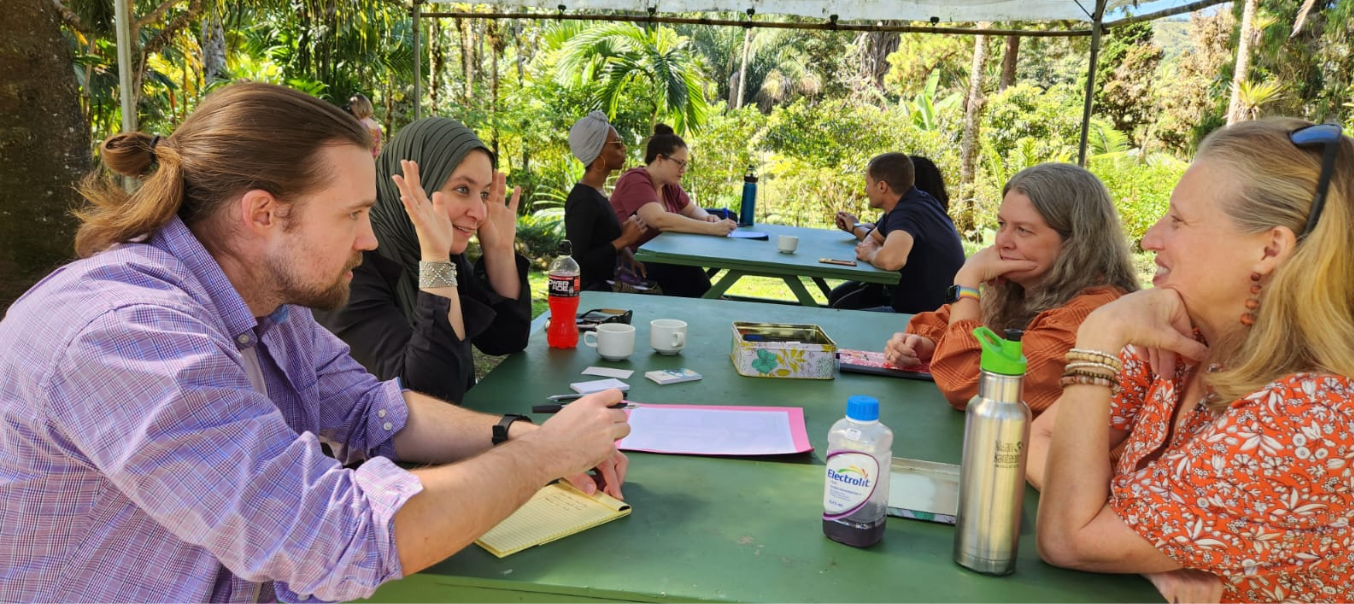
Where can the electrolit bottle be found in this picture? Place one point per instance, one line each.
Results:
(992, 476)
(563, 330)
(859, 457)
(747, 213)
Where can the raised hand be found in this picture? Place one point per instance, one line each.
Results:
(431, 221)
(986, 265)
(500, 219)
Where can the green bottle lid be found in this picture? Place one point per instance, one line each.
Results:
(1001, 356)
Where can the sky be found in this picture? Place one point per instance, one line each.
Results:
(1151, 6)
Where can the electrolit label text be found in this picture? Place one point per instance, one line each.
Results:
(851, 479)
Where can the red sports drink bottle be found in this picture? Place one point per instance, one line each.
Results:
(563, 330)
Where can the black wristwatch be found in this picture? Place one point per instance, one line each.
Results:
(501, 428)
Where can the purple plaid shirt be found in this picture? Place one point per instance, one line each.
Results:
(137, 463)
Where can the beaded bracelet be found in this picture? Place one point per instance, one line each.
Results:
(1085, 380)
(1095, 356)
(1093, 366)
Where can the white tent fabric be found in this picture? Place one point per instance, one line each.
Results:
(864, 10)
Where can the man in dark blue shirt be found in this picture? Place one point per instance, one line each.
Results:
(914, 237)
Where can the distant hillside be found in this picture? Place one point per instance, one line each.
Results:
(1172, 36)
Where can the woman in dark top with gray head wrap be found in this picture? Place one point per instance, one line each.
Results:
(598, 237)
(416, 303)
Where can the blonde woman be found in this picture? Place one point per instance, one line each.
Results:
(1230, 382)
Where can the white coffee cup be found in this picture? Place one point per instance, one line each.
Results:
(614, 341)
(787, 244)
(667, 336)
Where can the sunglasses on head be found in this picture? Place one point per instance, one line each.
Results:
(1329, 137)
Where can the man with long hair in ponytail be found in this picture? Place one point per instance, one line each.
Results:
(164, 397)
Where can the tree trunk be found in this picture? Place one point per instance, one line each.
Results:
(213, 48)
(467, 58)
(517, 44)
(438, 61)
(497, 46)
(969, 145)
(875, 48)
(45, 143)
(743, 69)
(1008, 62)
(1235, 112)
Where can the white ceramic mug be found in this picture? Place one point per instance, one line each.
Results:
(667, 336)
(614, 341)
(787, 244)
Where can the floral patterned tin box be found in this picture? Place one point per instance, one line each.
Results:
(783, 351)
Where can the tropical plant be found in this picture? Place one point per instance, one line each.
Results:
(1252, 96)
(622, 56)
(924, 107)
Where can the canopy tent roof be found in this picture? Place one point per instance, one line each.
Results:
(869, 10)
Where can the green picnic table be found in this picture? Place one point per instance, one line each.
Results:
(743, 257)
(743, 529)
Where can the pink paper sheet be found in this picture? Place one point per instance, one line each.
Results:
(715, 441)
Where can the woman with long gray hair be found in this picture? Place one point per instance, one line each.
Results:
(1059, 254)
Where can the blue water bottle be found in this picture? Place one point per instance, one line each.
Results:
(748, 212)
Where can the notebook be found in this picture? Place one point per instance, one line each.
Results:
(866, 361)
(553, 513)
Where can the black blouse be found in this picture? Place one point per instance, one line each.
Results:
(423, 351)
(590, 224)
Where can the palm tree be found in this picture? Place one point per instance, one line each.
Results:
(45, 143)
(653, 64)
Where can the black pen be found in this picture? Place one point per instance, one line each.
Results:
(557, 407)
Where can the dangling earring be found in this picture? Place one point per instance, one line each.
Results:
(1253, 302)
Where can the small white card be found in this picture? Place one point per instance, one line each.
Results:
(672, 376)
(623, 374)
(599, 385)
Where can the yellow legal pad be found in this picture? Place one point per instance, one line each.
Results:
(554, 512)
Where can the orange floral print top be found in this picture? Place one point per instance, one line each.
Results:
(1261, 494)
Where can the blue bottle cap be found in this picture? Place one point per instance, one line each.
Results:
(862, 408)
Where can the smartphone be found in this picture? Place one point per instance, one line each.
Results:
(835, 261)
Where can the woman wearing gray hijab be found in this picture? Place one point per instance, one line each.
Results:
(598, 237)
(416, 303)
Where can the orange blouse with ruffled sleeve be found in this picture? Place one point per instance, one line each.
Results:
(1047, 339)
(1260, 494)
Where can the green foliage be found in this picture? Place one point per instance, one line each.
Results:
(1050, 120)
(622, 56)
(1141, 190)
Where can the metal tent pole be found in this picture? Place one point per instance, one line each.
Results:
(1097, 29)
(418, 60)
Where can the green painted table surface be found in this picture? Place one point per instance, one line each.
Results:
(743, 529)
(743, 257)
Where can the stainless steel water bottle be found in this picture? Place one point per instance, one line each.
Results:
(992, 476)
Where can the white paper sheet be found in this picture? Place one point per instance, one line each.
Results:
(715, 430)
